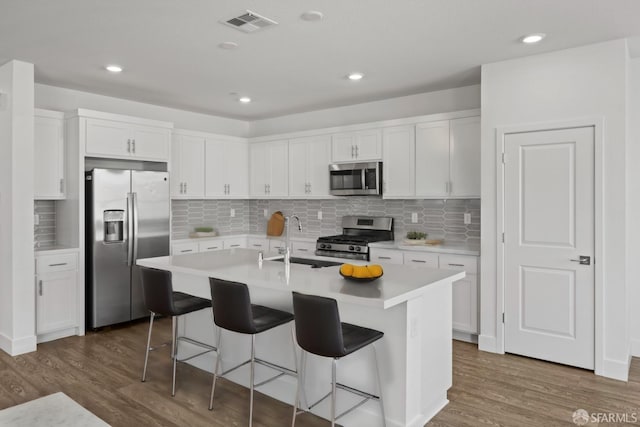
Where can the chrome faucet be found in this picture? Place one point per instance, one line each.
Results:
(287, 242)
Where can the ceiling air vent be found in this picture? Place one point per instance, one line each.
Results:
(249, 22)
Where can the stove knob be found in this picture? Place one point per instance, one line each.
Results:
(328, 246)
(351, 248)
(358, 248)
(322, 246)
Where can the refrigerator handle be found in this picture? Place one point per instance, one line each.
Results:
(130, 231)
(135, 228)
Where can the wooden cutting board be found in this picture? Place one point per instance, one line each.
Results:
(275, 226)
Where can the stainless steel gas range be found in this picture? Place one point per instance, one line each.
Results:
(357, 233)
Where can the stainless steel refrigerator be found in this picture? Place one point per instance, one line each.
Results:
(127, 218)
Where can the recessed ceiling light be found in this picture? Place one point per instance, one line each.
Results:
(533, 38)
(244, 99)
(113, 68)
(312, 16)
(355, 76)
(228, 45)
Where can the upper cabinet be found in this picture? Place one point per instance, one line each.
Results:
(227, 168)
(269, 169)
(121, 139)
(357, 146)
(309, 160)
(187, 167)
(48, 155)
(433, 160)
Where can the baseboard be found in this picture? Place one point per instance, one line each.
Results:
(488, 343)
(635, 348)
(57, 335)
(465, 336)
(18, 346)
(615, 369)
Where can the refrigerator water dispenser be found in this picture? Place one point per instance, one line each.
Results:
(113, 226)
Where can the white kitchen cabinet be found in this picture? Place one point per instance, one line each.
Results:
(359, 146)
(269, 169)
(211, 245)
(187, 167)
(111, 138)
(465, 291)
(309, 160)
(464, 150)
(48, 155)
(226, 169)
(235, 242)
(303, 249)
(385, 256)
(185, 248)
(276, 246)
(56, 293)
(258, 243)
(421, 259)
(432, 159)
(399, 150)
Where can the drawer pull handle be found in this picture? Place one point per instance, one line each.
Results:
(58, 264)
(456, 265)
(187, 250)
(235, 246)
(257, 245)
(212, 247)
(303, 250)
(419, 260)
(384, 257)
(40, 287)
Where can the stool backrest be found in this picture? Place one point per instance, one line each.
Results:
(231, 306)
(157, 291)
(318, 327)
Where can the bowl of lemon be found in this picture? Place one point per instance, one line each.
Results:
(361, 273)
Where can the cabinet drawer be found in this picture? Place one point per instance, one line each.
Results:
(459, 262)
(53, 263)
(184, 248)
(386, 256)
(421, 259)
(303, 248)
(214, 245)
(276, 245)
(258, 244)
(235, 243)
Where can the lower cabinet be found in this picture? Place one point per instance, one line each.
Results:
(183, 248)
(56, 294)
(465, 291)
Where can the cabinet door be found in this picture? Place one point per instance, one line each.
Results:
(432, 159)
(192, 166)
(258, 243)
(215, 168)
(421, 259)
(386, 256)
(237, 169)
(258, 169)
(56, 301)
(465, 305)
(151, 143)
(184, 248)
(303, 249)
(298, 162)
(399, 161)
(278, 169)
(210, 246)
(106, 138)
(343, 147)
(48, 156)
(235, 242)
(177, 185)
(318, 159)
(465, 157)
(369, 145)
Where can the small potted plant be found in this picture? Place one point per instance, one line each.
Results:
(416, 238)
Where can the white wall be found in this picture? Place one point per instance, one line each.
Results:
(633, 205)
(17, 287)
(577, 83)
(61, 99)
(443, 101)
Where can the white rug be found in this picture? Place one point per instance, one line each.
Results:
(50, 411)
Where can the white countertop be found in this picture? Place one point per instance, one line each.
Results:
(399, 283)
(249, 236)
(444, 248)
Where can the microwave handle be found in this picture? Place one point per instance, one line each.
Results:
(363, 178)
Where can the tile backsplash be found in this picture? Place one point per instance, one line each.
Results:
(439, 218)
(45, 232)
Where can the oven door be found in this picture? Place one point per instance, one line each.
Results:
(355, 179)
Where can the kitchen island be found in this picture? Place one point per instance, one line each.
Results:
(412, 306)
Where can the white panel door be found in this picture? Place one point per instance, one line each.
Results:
(399, 150)
(151, 143)
(298, 182)
(465, 157)
(237, 169)
(278, 169)
(55, 305)
(318, 159)
(108, 138)
(48, 158)
(192, 166)
(258, 174)
(549, 223)
(177, 186)
(432, 159)
(215, 168)
(343, 147)
(369, 145)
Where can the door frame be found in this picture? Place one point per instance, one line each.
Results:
(501, 133)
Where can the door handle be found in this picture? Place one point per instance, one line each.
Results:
(356, 151)
(40, 287)
(134, 145)
(61, 185)
(135, 228)
(582, 259)
(129, 229)
(128, 145)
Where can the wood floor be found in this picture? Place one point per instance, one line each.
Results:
(101, 371)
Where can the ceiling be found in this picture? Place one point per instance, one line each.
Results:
(169, 48)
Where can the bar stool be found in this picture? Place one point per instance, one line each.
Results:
(160, 299)
(320, 332)
(233, 311)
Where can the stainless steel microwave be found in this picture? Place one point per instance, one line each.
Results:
(356, 179)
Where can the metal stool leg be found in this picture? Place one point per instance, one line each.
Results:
(375, 360)
(333, 392)
(298, 386)
(253, 368)
(146, 355)
(174, 354)
(215, 370)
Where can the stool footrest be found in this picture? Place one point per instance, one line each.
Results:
(365, 398)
